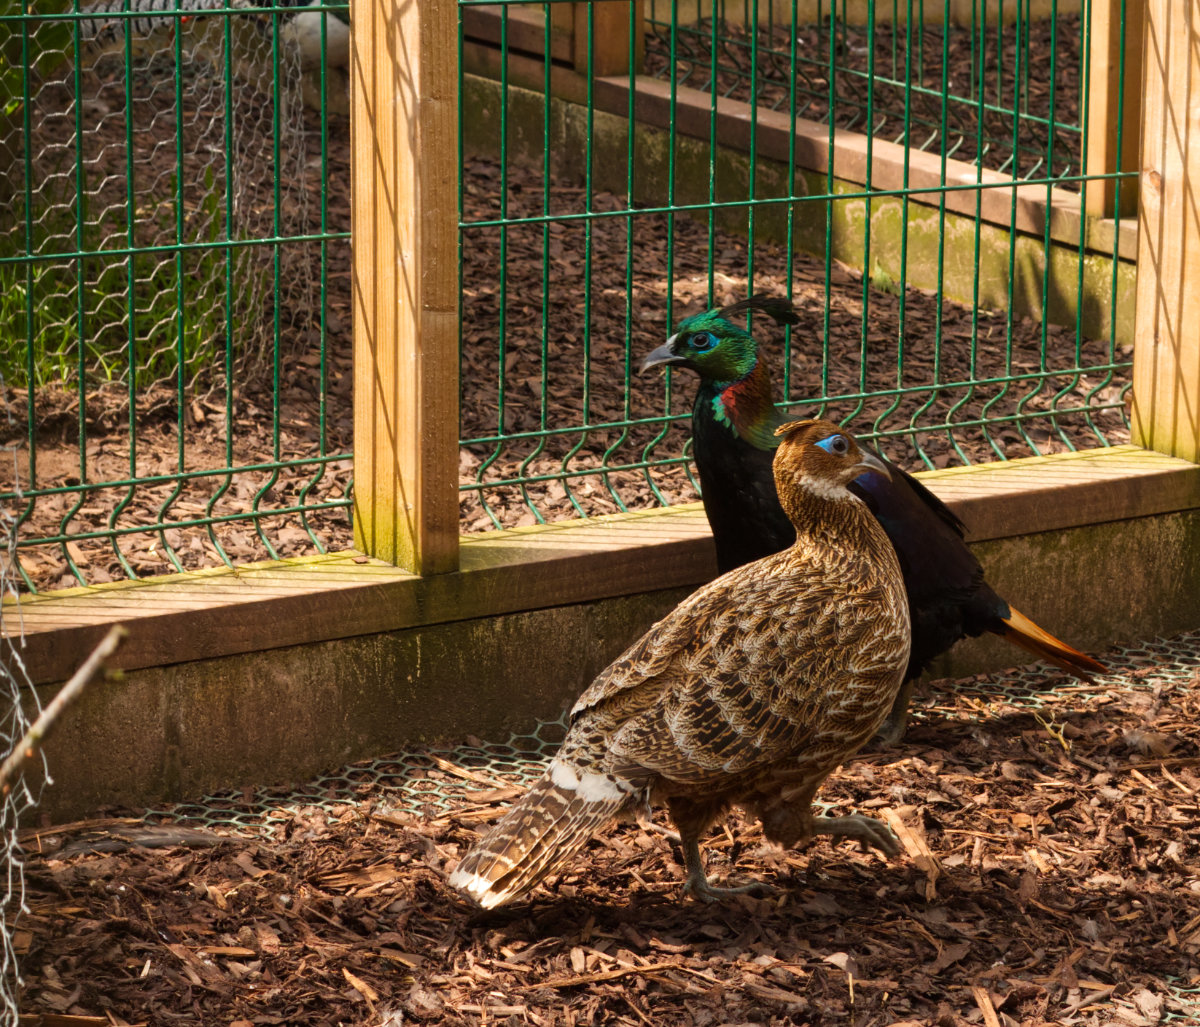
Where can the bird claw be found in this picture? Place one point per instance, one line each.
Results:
(892, 730)
(699, 889)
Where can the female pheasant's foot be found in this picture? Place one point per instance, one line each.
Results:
(867, 831)
(697, 884)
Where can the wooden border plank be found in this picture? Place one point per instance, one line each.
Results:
(404, 221)
(526, 29)
(610, 53)
(1166, 353)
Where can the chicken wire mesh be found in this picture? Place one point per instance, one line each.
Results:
(142, 154)
(20, 797)
(169, 254)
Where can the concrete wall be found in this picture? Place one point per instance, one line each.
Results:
(283, 715)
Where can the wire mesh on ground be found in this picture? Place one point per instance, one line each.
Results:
(433, 782)
(163, 296)
(21, 798)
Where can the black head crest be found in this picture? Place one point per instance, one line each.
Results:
(778, 308)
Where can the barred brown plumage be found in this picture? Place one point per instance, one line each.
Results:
(752, 691)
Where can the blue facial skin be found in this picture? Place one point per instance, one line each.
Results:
(834, 445)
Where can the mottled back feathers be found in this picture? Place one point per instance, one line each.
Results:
(774, 672)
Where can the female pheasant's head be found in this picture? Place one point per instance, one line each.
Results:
(817, 459)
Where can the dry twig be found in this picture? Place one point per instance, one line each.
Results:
(69, 692)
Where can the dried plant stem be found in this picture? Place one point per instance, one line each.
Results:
(34, 737)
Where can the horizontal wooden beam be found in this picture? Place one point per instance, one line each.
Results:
(525, 31)
(222, 612)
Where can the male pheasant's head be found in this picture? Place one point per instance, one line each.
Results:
(736, 388)
(819, 459)
(713, 346)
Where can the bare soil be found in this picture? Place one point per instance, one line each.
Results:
(1049, 877)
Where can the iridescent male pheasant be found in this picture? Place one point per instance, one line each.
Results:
(733, 424)
(751, 691)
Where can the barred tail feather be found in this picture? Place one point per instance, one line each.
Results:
(550, 823)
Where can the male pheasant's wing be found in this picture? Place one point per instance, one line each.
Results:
(948, 595)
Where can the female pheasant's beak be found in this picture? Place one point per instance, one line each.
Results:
(870, 462)
(665, 355)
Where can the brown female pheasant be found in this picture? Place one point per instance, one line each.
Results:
(751, 691)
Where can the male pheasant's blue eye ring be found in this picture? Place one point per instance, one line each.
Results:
(838, 445)
(703, 341)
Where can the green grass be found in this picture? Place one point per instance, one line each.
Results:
(58, 315)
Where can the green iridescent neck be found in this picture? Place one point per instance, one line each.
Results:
(748, 409)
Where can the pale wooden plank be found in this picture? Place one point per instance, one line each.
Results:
(404, 145)
(1104, 96)
(537, 567)
(1166, 354)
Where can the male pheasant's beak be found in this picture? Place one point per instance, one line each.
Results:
(665, 355)
(870, 462)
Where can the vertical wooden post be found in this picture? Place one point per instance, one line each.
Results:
(1166, 352)
(1105, 90)
(404, 225)
(610, 50)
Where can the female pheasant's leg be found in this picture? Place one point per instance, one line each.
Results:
(697, 884)
(867, 831)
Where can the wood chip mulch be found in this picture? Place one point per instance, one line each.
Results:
(1051, 875)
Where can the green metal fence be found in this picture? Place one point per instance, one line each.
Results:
(998, 85)
(175, 284)
(980, 333)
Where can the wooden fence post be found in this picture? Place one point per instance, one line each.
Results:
(1105, 91)
(404, 225)
(610, 50)
(1166, 352)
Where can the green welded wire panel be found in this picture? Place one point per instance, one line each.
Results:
(587, 233)
(927, 339)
